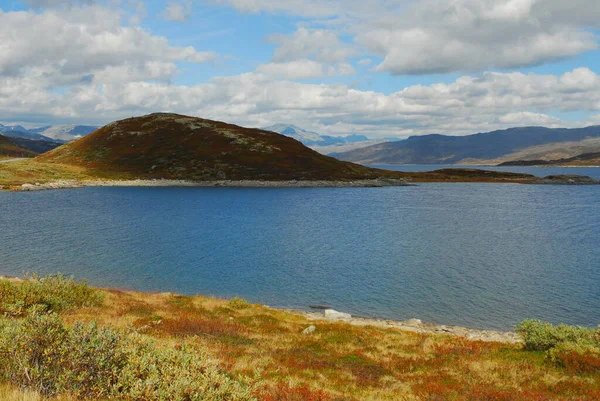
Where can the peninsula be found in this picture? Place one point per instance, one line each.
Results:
(163, 148)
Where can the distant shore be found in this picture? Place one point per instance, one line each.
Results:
(66, 184)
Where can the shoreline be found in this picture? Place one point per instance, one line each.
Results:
(71, 184)
(411, 325)
(371, 183)
(415, 326)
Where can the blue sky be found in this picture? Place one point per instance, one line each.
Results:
(381, 68)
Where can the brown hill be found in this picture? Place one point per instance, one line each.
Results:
(10, 149)
(174, 146)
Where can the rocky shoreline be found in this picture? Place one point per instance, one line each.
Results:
(374, 183)
(412, 325)
(65, 184)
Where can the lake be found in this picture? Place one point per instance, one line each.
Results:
(475, 255)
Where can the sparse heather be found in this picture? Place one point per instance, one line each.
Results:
(169, 346)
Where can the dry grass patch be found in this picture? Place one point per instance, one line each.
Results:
(266, 348)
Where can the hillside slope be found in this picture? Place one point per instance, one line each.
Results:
(174, 146)
(483, 148)
(586, 159)
(9, 149)
(36, 146)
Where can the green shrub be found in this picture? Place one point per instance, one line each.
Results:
(577, 358)
(542, 336)
(55, 293)
(238, 303)
(575, 348)
(89, 362)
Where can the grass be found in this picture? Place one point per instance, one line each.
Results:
(31, 171)
(265, 351)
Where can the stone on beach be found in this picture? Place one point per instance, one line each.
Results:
(332, 314)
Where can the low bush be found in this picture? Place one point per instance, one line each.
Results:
(542, 336)
(54, 293)
(575, 348)
(238, 303)
(89, 362)
(576, 358)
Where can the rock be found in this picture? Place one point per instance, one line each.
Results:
(335, 315)
(309, 330)
(414, 322)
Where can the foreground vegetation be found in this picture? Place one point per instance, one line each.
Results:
(63, 338)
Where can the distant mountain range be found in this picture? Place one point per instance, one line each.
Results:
(51, 133)
(527, 143)
(309, 138)
(324, 144)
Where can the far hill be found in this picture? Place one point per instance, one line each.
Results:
(36, 146)
(586, 159)
(528, 143)
(174, 146)
(8, 149)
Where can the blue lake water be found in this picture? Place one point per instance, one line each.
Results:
(477, 255)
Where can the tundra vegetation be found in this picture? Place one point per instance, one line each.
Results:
(176, 147)
(64, 340)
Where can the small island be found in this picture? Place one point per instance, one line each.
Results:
(171, 149)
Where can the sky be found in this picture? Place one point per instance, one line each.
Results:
(381, 68)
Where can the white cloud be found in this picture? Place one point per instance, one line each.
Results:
(56, 3)
(474, 35)
(178, 12)
(322, 45)
(468, 105)
(68, 46)
(303, 69)
(443, 36)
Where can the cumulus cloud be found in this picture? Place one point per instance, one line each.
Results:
(322, 45)
(89, 41)
(303, 69)
(467, 105)
(178, 12)
(445, 36)
(475, 35)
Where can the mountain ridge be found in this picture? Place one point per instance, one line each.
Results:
(482, 148)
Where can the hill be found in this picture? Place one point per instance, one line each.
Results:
(8, 149)
(586, 159)
(484, 148)
(174, 146)
(36, 146)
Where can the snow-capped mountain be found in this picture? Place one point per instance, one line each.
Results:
(66, 132)
(311, 139)
(17, 131)
(299, 134)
